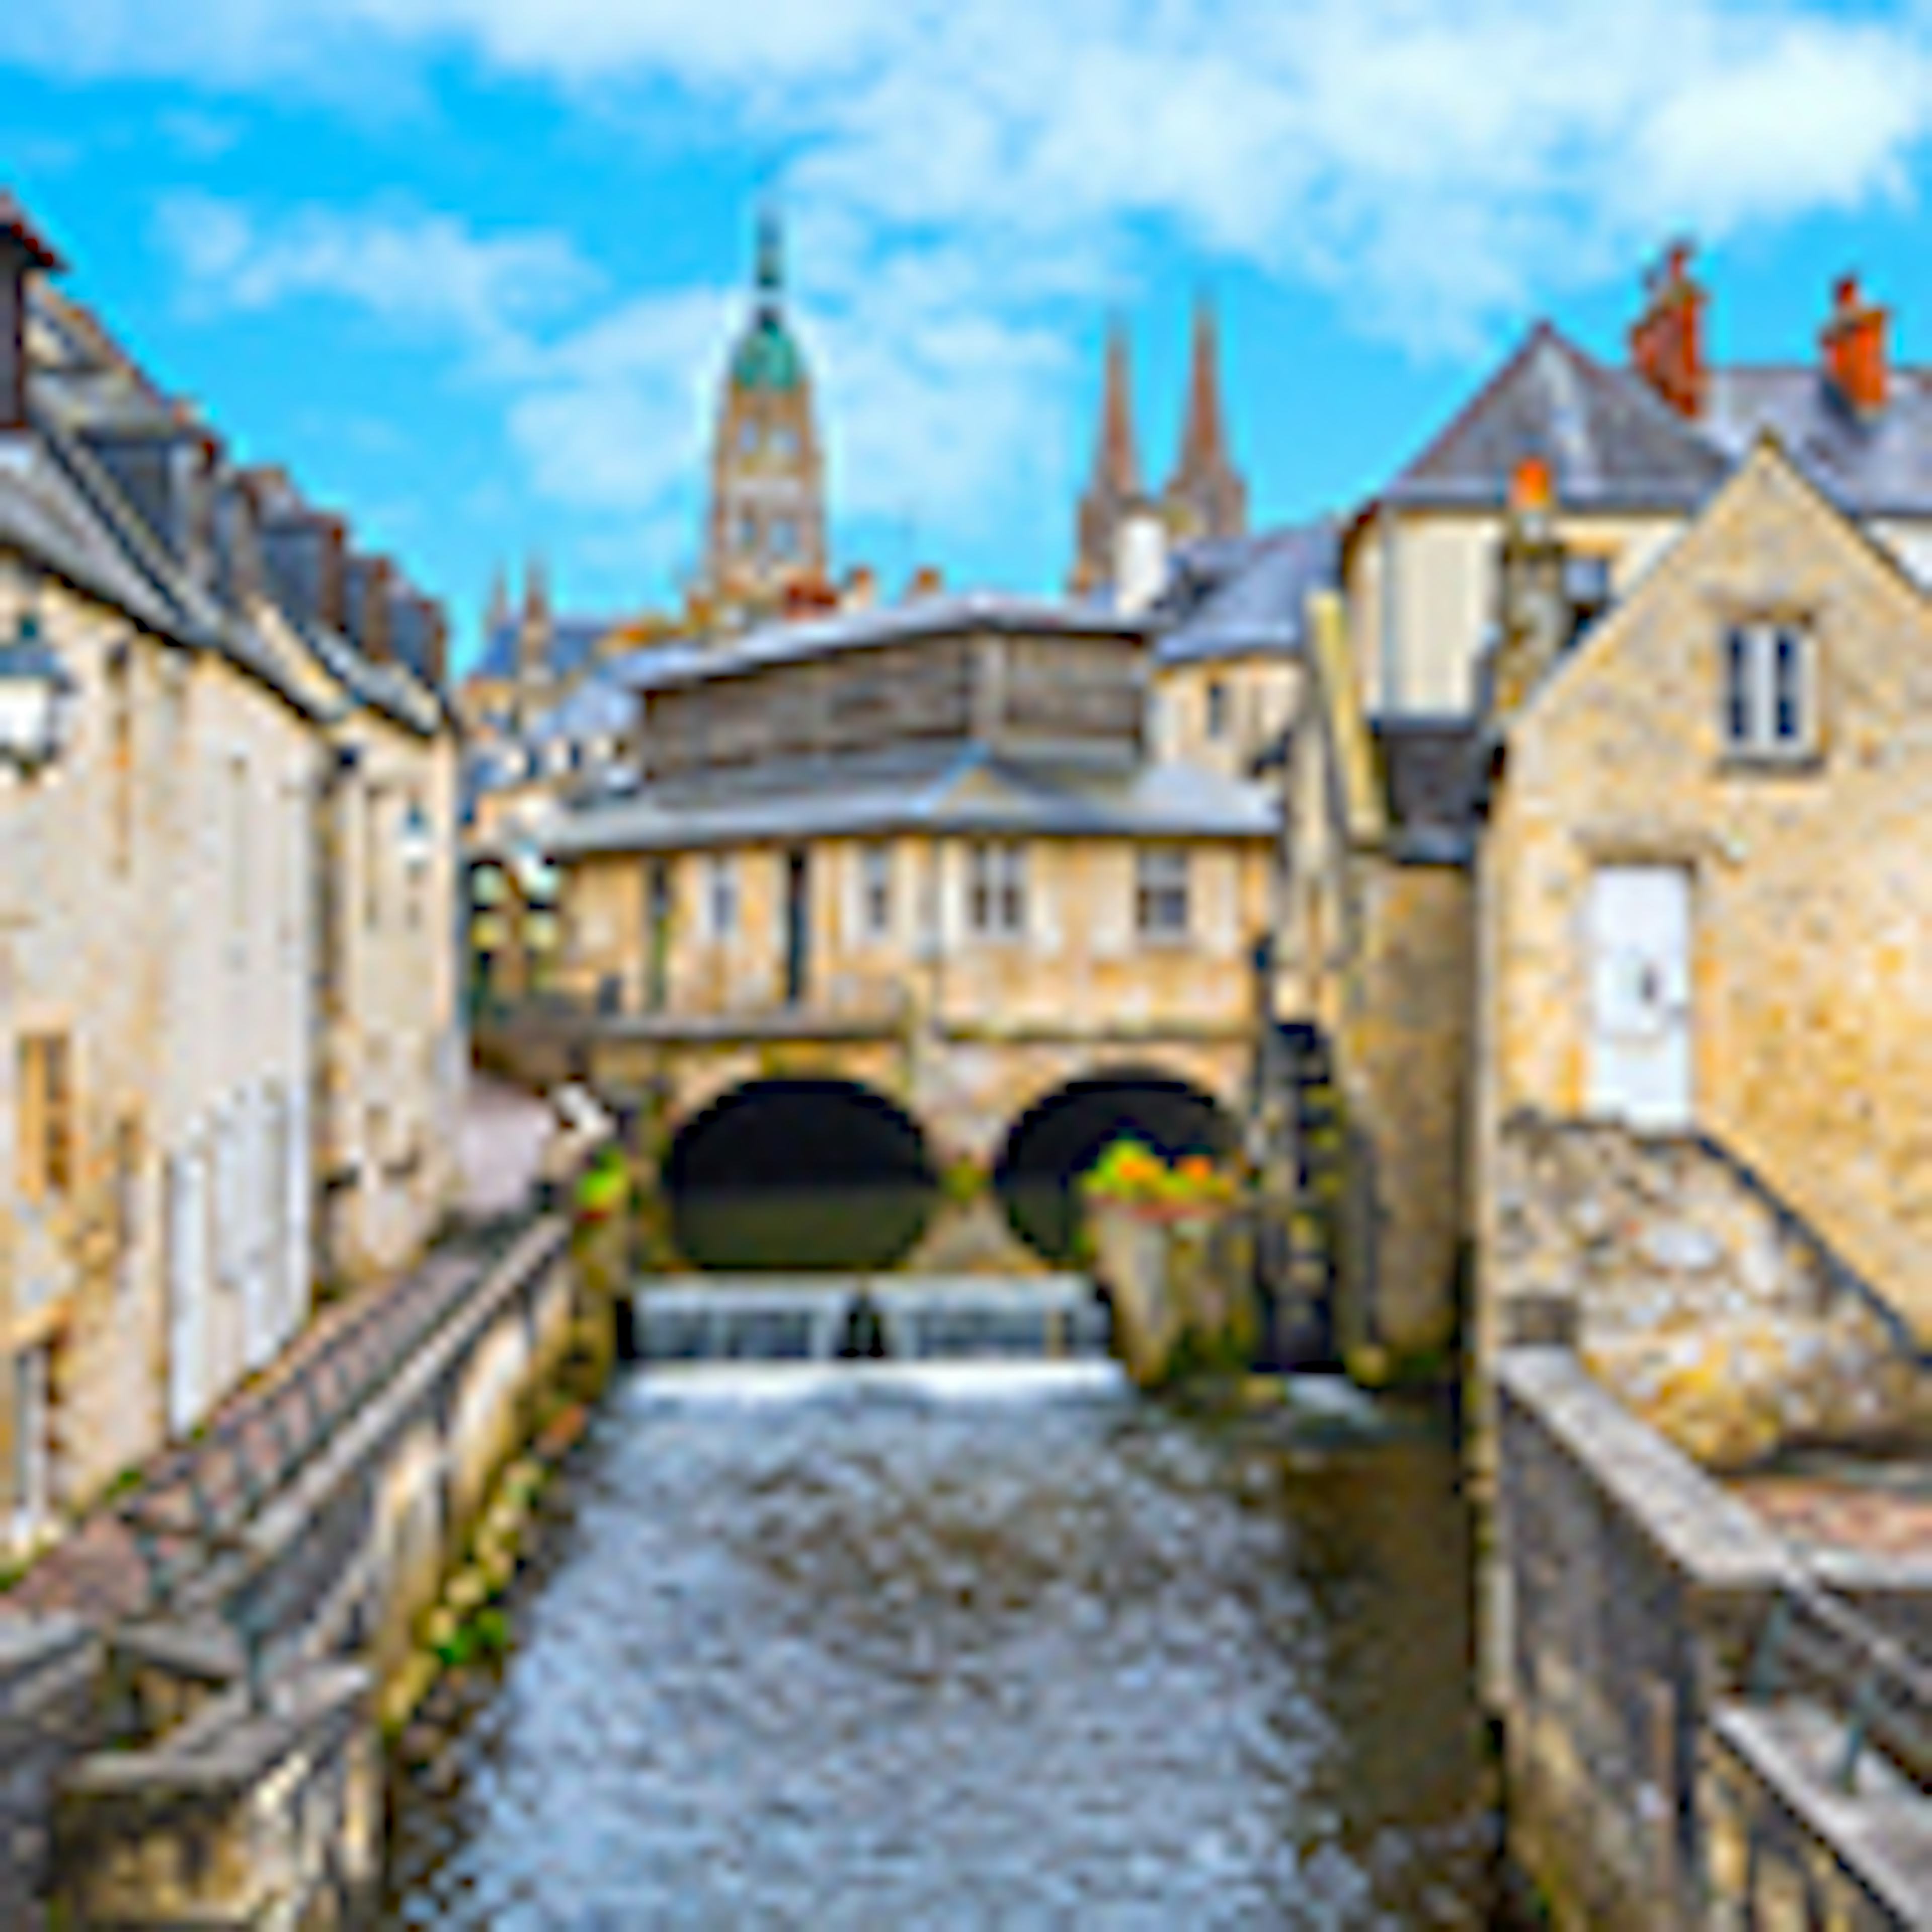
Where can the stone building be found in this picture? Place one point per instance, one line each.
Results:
(173, 1012)
(1564, 487)
(1633, 451)
(931, 838)
(1703, 885)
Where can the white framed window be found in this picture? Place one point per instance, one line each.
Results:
(785, 537)
(720, 896)
(996, 890)
(1217, 709)
(1160, 892)
(875, 891)
(1770, 699)
(748, 436)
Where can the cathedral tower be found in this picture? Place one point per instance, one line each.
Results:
(766, 528)
(1205, 496)
(1114, 486)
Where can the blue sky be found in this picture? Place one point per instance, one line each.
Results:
(469, 267)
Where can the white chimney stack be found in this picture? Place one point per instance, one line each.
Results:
(1140, 560)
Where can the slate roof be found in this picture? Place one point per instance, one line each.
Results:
(1612, 443)
(1238, 597)
(83, 382)
(1871, 466)
(956, 789)
(885, 624)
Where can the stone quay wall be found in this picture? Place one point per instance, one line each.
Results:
(1661, 1775)
(139, 1786)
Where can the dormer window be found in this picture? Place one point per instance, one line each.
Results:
(1769, 701)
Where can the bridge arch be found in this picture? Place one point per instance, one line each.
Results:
(1057, 1137)
(798, 1172)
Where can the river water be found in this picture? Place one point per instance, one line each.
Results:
(886, 1646)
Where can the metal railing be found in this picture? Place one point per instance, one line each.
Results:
(1813, 1641)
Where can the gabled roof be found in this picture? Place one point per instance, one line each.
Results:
(1610, 441)
(1248, 596)
(1767, 452)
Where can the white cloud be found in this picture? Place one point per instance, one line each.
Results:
(969, 181)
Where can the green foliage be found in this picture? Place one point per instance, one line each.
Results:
(964, 1180)
(605, 1187)
(1129, 1170)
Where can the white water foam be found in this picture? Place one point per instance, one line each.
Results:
(988, 1380)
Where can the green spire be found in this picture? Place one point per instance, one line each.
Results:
(767, 358)
(771, 261)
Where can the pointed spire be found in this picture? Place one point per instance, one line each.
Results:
(1203, 447)
(770, 261)
(497, 612)
(1116, 467)
(1206, 496)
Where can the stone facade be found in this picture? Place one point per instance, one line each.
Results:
(1807, 1017)
(179, 1035)
(1374, 951)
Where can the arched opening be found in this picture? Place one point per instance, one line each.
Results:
(798, 1174)
(1052, 1144)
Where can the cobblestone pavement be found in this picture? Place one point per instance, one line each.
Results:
(265, 1428)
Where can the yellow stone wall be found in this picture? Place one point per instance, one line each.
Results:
(1442, 566)
(995, 1023)
(159, 921)
(1259, 697)
(1812, 984)
(1376, 952)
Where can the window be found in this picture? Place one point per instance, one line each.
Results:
(996, 890)
(46, 1146)
(748, 436)
(372, 857)
(875, 890)
(748, 530)
(1160, 892)
(784, 443)
(1767, 701)
(721, 897)
(1217, 709)
(785, 537)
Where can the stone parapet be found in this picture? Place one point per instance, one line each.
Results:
(50, 1712)
(1637, 1617)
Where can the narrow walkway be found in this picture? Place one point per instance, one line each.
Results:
(258, 1435)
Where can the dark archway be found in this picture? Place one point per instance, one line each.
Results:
(1055, 1141)
(798, 1174)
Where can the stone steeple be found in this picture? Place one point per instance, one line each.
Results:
(765, 533)
(1114, 486)
(1205, 496)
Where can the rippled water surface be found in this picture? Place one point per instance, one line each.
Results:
(855, 1648)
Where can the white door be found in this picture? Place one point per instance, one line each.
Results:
(1640, 995)
(188, 1287)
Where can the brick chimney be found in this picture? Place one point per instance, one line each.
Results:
(926, 582)
(22, 255)
(861, 590)
(1666, 343)
(1853, 346)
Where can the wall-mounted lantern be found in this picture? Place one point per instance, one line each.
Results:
(36, 690)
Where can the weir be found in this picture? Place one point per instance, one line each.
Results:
(816, 1317)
